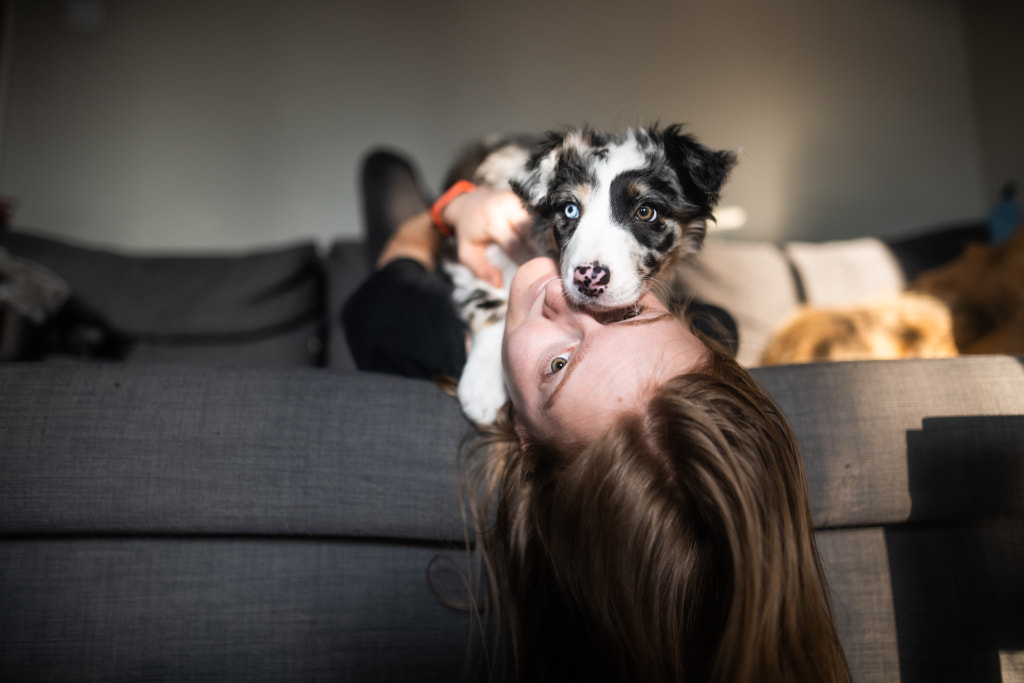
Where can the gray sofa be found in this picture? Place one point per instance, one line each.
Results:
(233, 502)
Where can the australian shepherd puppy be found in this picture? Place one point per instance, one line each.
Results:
(615, 210)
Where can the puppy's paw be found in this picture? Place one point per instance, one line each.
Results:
(481, 401)
(482, 388)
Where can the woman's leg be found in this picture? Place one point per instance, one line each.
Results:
(391, 195)
(402, 320)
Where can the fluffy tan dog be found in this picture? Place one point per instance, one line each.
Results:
(974, 304)
(984, 289)
(907, 325)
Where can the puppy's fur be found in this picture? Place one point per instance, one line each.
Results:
(907, 325)
(615, 210)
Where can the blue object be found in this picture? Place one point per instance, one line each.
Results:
(1005, 217)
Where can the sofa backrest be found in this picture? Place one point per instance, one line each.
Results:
(259, 307)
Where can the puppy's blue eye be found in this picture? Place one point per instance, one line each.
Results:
(572, 211)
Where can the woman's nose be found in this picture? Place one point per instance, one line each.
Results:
(557, 307)
(555, 302)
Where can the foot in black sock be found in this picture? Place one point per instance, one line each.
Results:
(391, 195)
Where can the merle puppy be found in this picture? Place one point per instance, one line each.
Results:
(615, 211)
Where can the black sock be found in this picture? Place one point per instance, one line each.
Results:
(391, 195)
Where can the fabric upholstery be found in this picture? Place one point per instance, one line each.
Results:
(762, 284)
(164, 522)
(856, 563)
(753, 281)
(871, 457)
(916, 476)
(176, 518)
(845, 271)
(934, 602)
(296, 344)
(347, 265)
(257, 308)
(958, 596)
(228, 609)
(168, 522)
(168, 450)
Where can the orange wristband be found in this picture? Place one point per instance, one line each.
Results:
(461, 187)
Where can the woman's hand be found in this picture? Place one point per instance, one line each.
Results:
(484, 217)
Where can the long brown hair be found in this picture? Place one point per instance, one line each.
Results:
(678, 546)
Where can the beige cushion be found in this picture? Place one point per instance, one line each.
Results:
(751, 280)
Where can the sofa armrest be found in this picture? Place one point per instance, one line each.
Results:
(887, 442)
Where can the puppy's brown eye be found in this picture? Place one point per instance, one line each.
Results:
(646, 213)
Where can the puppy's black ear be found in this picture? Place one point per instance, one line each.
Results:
(702, 171)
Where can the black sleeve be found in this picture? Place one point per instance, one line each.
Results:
(402, 321)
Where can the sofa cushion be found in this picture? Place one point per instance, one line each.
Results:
(928, 602)
(256, 307)
(886, 442)
(165, 449)
(346, 266)
(845, 271)
(934, 425)
(163, 522)
(856, 563)
(762, 284)
(228, 609)
(751, 280)
(295, 344)
(958, 599)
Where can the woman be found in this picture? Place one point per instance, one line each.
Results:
(641, 501)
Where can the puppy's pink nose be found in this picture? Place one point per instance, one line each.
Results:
(591, 279)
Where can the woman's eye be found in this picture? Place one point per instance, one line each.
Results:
(572, 211)
(646, 213)
(631, 313)
(558, 363)
(619, 315)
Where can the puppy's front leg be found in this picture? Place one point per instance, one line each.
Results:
(482, 386)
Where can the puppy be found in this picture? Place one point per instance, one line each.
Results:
(615, 210)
